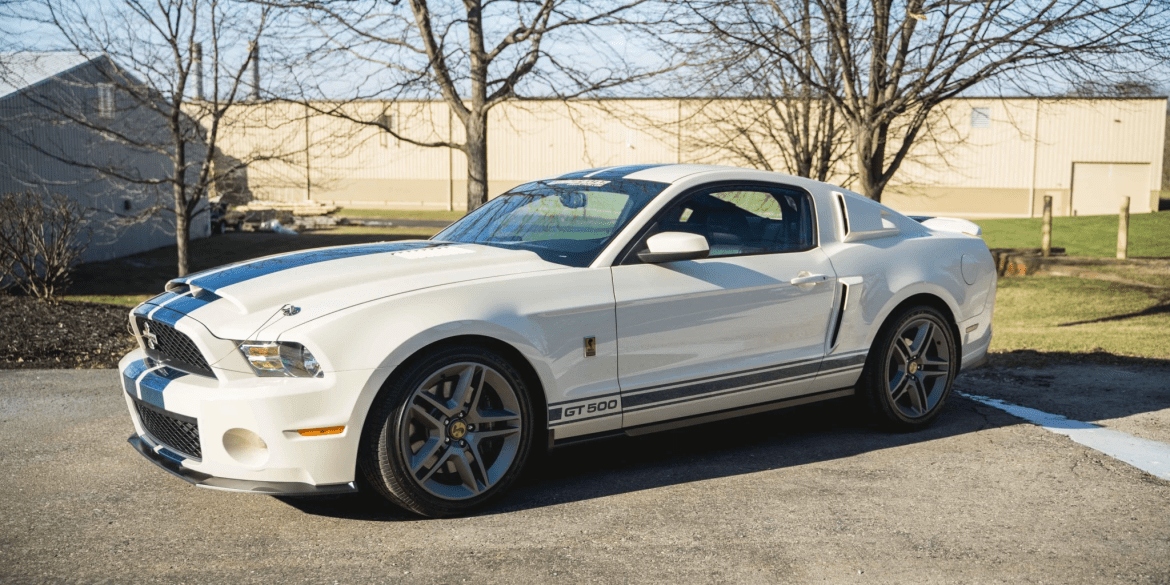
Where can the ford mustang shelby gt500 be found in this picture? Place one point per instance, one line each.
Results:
(606, 301)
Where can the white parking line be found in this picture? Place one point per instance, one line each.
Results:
(1152, 457)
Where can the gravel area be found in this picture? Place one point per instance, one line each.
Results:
(67, 334)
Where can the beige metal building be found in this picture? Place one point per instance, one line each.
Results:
(986, 157)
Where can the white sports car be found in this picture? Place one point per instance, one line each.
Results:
(606, 301)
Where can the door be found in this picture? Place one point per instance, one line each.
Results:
(1097, 188)
(732, 329)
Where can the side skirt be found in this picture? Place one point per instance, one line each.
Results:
(699, 419)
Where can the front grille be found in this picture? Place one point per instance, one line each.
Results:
(174, 431)
(173, 347)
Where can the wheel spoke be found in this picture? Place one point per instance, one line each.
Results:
(425, 452)
(438, 464)
(481, 435)
(902, 354)
(936, 366)
(469, 387)
(922, 338)
(465, 472)
(898, 388)
(492, 416)
(420, 414)
(435, 404)
(472, 451)
(917, 395)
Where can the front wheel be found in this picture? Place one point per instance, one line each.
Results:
(910, 369)
(450, 433)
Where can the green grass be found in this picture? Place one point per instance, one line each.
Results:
(1061, 314)
(125, 300)
(401, 213)
(145, 274)
(1089, 235)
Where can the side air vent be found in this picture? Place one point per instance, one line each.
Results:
(844, 215)
(840, 315)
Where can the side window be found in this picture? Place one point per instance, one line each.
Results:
(738, 221)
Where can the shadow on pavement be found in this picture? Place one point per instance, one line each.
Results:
(1086, 387)
(782, 439)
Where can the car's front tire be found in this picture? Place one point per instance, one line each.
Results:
(449, 433)
(910, 369)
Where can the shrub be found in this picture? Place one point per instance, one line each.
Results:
(42, 236)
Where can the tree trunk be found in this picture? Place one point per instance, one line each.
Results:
(477, 160)
(182, 220)
(869, 154)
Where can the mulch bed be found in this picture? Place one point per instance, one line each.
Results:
(68, 334)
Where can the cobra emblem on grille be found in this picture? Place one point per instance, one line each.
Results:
(150, 338)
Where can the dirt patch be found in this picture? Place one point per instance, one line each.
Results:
(69, 334)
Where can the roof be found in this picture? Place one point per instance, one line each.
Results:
(25, 69)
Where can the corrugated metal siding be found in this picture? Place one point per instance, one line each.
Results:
(531, 139)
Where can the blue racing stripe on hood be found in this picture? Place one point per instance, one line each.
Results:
(186, 304)
(246, 271)
(166, 315)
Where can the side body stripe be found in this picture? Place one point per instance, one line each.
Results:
(570, 411)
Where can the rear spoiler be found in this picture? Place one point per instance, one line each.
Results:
(949, 224)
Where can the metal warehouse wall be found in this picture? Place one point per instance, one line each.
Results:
(1032, 148)
(1028, 149)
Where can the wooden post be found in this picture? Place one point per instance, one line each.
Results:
(1046, 228)
(1123, 230)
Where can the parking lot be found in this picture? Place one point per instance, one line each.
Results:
(810, 494)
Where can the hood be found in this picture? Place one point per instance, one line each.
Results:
(245, 300)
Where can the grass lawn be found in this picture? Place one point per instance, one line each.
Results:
(401, 213)
(130, 280)
(1089, 235)
(1063, 314)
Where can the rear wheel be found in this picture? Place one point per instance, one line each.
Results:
(452, 432)
(910, 369)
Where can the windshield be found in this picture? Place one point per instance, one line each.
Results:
(567, 221)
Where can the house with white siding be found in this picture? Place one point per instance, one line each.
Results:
(54, 108)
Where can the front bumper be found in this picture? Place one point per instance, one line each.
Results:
(217, 411)
(153, 453)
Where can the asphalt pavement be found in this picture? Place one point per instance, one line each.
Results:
(810, 494)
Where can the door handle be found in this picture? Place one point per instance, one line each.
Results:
(806, 278)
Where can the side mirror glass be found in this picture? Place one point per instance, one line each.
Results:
(674, 246)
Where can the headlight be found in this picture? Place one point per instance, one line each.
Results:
(280, 358)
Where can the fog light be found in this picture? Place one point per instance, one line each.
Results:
(245, 447)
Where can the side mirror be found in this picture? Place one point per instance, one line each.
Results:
(674, 246)
(574, 200)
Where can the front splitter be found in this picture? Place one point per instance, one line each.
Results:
(203, 480)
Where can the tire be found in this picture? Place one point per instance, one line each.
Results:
(220, 227)
(450, 433)
(910, 369)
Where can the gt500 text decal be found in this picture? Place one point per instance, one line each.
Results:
(584, 409)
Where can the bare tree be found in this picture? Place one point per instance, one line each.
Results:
(757, 108)
(886, 65)
(42, 236)
(474, 57)
(154, 71)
